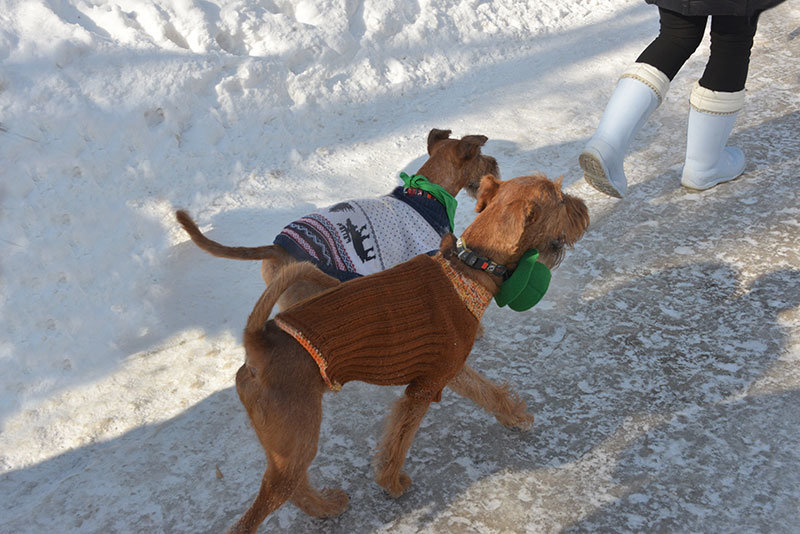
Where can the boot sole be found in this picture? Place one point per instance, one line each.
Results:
(690, 183)
(595, 176)
(704, 187)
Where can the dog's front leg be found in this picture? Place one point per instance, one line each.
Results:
(401, 428)
(502, 402)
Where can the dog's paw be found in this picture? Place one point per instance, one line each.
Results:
(521, 422)
(395, 486)
(513, 411)
(329, 502)
(336, 502)
(241, 528)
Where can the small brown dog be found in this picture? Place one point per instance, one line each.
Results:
(354, 331)
(415, 227)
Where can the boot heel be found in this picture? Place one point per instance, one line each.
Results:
(595, 175)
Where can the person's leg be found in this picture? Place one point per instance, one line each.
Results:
(638, 93)
(731, 42)
(678, 38)
(715, 103)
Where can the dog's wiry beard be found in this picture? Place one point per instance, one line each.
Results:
(488, 165)
(552, 257)
(472, 189)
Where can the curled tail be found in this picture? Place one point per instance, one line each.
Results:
(219, 250)
(288, 275)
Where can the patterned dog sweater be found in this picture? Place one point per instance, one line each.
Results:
(410, 325)
(361, 237)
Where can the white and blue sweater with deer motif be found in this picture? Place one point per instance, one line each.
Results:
(360, 237)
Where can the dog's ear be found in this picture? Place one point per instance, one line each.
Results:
(434, 136)
(486, 191)
(469, 146)
(447, 246)
(577, 219)
(515, 217)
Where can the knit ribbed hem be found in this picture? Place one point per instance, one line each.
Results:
(312, 350)
(716, 102)
(475, 297)
(650, 76)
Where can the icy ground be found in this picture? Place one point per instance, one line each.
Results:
(663, 365)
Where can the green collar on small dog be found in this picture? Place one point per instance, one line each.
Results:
(526, 287)
(437, 191)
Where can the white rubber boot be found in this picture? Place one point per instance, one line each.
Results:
(711, 117)
(639, 92)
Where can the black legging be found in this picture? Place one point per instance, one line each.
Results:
(680, 35)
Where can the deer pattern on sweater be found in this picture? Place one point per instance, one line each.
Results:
(366, 236)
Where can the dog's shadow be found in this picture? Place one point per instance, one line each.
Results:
(585, 380)
(200, 291)
(612, 388)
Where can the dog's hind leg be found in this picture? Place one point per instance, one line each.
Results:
(325, 503)
(500, 401)
(282, 394)
(277, 485)
(290, 448)
(401, 428)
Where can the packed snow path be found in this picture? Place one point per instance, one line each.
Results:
(663, 366)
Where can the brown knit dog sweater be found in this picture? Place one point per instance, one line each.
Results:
(412, 324)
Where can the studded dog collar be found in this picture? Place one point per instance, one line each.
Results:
(475, 261)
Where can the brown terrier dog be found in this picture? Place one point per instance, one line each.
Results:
(352, 331)
(454, 164)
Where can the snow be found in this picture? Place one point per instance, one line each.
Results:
(665, 354)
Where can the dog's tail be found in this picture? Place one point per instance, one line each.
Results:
(219, 250)
(288, 275)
